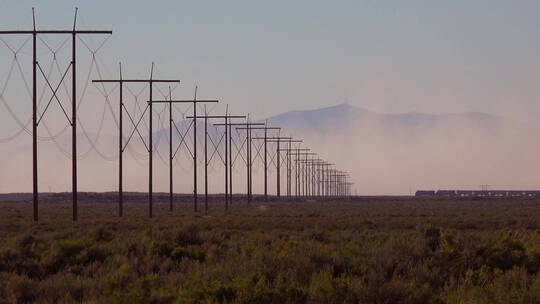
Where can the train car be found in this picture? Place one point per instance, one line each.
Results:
(478, 193)
(424, 193)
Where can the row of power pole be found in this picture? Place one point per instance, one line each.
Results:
(313, 177)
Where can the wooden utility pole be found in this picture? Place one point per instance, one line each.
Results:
(247, 126)
(194, 102)
(35, 121)
(312, 175)
(227, 118)
(265, 138)
(150, 81)
(228, 157)
(299, 176)
(278, 140)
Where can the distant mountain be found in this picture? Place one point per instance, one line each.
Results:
(320, 120)
(347, 120)
(345, 116)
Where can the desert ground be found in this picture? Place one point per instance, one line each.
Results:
(357, 250)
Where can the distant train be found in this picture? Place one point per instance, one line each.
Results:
(477, 193)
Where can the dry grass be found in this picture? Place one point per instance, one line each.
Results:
(370, 250)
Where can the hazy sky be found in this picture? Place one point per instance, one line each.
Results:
(267, 57)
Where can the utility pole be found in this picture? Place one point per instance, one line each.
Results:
(341, 177)
(348, 189)
(227, 117)
(194, 102)
(305, 173)
(265, 138)
(278, 140)
(289, 168)
(35, 121)
(325, 179)
(311, 163)
(228, 157)
(121, 147)
(245, 126)
(298, 152)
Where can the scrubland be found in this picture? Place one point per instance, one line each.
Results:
(363, 250)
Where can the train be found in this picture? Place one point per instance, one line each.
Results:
(477, 193)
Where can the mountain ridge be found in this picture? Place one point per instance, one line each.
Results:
(345, 115)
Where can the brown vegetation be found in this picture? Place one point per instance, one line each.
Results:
(379, 250)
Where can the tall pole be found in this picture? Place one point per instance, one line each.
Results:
(266, 139)
(301, 176)
(247, 126)
(334, 182)
(311, 181)
(325, 193)
(248, 162)
(297, 188)
(311, 172)
(265, 166)
(313, 190)
(313, 175)
(338, 182)
(289, 170)
(329, 182)
(278, 169)
(231, 165)
(205, 160)
(120, 148)
(121, 81)
(34, 120)
(278, 140)
(170, 154)
(228, 158)
(74, 119)
(322, 180)
(227, 148)
(334, 177)
(195, 151)
(306, 177)
(340, 186)
(319, 166)
(150, 147)
(194, 102)
(250, 166)
(228, 152)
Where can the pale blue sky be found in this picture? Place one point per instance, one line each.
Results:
(267, 57)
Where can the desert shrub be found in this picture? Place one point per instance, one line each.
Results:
(20, 289)
(102, 234)
(532, 263)
(188, 235)
(71, 252)
(65, 287)
(192, 253)
(326, 288)
(432, 236)
(505, 255)
(197, 291)
(368, 251)
(161, 248)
